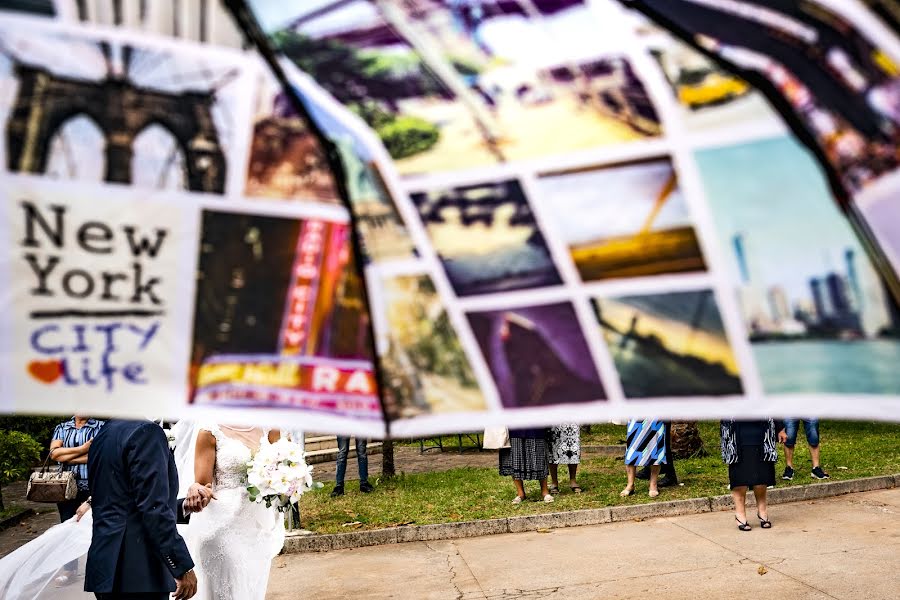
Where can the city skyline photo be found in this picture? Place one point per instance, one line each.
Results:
(817, 313)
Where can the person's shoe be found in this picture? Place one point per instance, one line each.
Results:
(366, 488)
(818, 473)
(788, 474)
(337, 491)
(667, 482)
(643, 474)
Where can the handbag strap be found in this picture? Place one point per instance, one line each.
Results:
(46, 464)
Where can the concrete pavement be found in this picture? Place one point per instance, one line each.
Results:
(836, 548)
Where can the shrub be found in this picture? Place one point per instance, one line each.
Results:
(19, 452)
(40, 428)
(407, 135)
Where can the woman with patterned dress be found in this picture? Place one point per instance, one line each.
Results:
(750, 450)
(526, 459)
(646, 446)
(565, 449)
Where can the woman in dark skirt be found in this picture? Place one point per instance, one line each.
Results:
(750, 450)
(526, 459)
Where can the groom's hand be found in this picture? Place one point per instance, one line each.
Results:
(198, 497)
(185, 586)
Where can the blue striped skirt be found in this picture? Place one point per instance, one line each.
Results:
(646, 443)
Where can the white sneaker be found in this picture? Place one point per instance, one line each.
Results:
(548, 498)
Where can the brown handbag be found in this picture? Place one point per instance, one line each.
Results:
(49, 486)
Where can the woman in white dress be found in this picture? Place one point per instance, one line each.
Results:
(233, 540)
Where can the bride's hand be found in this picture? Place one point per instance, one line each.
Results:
(198, 497)
(82, 510)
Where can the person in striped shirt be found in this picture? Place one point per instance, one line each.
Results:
(69, 447)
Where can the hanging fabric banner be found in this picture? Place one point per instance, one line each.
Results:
(517, 213)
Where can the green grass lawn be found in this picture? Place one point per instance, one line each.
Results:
(849, 450)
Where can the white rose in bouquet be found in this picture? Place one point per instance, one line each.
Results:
(278, 475)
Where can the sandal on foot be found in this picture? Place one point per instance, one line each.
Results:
(626, 492)
(742, 525)
(764, 523)
(653, 493)
(548, 498)
(576, 489)
(554, 489)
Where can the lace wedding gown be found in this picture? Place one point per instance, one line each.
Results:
(233, 541)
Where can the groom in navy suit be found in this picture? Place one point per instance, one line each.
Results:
(136, 551)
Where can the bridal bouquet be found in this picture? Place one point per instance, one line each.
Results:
(278, 475)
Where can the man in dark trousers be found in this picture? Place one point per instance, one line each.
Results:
(669, 478)
(136, 551)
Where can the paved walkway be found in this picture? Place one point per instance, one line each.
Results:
(839, 548)
(27, 530)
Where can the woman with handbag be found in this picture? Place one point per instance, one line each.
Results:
(69, 447)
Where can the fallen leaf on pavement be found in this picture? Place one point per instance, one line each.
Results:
(762, 570)
(544, 530)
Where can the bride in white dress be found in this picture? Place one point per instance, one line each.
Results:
(233, 540)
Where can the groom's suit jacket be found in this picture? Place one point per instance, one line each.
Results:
(135, 546)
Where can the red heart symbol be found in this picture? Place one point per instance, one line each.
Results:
(46, 371)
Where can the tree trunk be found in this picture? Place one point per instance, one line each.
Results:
(686, 440)
(387, 459)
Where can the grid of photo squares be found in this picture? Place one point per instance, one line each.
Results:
(520, 282)
(608, 276)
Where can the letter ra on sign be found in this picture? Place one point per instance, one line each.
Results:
(330, 379)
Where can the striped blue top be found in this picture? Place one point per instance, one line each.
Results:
(73, 437)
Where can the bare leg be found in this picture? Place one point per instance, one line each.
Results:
(654, 478)
(630, 470)
(520, 488)
(545, 491)
(814, 454)
(554, 475)
(789, 456)
(762, 509)
(739, 495)
(573, 471)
